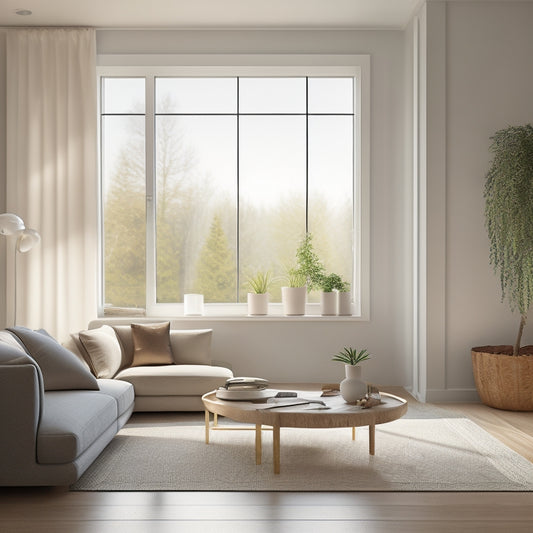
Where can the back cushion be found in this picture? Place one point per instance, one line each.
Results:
(191, 346)
(61, 369)
(102, 351)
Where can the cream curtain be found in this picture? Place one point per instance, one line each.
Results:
(52, 175)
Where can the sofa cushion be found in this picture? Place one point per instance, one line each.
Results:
(71, 422)
(61, 369)
(102, 350)
(151, 344)
(175, 380)
(191, 346)
(122, 391)
(73, 344)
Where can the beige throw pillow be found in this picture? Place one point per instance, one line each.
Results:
(104, 354)
(151, 344)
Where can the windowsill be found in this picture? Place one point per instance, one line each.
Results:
(228, 313)
(270, 318)
(243, 318)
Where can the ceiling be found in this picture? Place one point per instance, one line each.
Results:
(326, 14)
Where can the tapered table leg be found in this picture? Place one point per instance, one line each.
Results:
(207, 426)
(258, 444)
(353, 433)
(276, 449)
(371, 439)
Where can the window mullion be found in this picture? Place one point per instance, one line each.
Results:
(238, 221)
(151, 279)
(307, 154)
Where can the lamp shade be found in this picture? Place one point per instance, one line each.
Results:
(27, 240)
(10, 223)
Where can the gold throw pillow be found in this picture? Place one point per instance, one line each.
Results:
(151, 344)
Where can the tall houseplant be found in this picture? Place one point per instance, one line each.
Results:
(309, 264)
(502, 380)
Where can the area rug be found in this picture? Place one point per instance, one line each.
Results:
(427, 450)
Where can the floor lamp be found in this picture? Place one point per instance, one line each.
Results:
(11, 224)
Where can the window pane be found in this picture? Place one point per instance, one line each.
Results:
(196, 95)
(271, 194)
(123, 187)
(196, 207)
(123, 95)
(331, 192)
(331, 95)
(272, 95)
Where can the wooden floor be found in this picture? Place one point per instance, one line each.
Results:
(59, 511)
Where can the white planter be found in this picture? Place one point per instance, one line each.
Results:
(257, 304)
(344, 303)
(294, 299)
(353, 388)
(328, 303)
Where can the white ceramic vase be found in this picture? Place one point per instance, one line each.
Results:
(257, 304)
(294, 299)
(328, 303)
(353, 388)
(345, 303)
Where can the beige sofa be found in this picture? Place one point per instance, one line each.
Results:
(170, 370)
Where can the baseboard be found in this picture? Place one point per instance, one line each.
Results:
(451, 395)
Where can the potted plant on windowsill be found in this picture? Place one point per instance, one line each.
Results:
(310, 265)
(329, 296)
(258, 297)
(504, 374)
(352, 388)
(294, 294)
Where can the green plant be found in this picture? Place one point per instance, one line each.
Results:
(295, 278)
(261, 282)
(343, 286)
(308, 263)
(350, 356)
(331, 282)
(509, 217)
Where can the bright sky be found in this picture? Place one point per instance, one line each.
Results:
(272, 150)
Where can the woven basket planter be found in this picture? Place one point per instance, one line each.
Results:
(504, 381)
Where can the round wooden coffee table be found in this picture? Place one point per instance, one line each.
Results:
(338, 414)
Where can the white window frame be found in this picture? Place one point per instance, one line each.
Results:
(356, 66)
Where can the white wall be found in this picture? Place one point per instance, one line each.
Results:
(488, 84)
(301, 350)
(295, 350)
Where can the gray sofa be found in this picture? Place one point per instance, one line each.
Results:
(56, 418)
(60, 405)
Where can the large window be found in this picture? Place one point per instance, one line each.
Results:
(207, 180)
